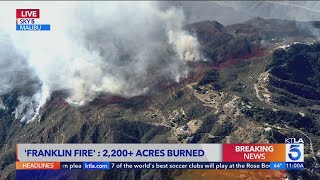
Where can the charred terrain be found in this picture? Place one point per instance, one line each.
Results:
(257, 85)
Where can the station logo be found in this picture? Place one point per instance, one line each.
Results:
(294, 150)
(29, 20)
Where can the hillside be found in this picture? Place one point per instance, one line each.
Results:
(248, 91)
(249, 39)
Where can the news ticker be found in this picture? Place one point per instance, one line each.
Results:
(159, 156)
(29, 20)
(157, 165)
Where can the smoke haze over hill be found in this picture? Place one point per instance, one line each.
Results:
(111, 47)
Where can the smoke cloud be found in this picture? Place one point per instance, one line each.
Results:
(93, 47)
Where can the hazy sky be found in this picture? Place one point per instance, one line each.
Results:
(230, 12)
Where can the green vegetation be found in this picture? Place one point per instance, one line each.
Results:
(209, 77)
(298, 64)
(179, 94)
(212, 78)
(222, 129)
(209, 121)
(279, 117)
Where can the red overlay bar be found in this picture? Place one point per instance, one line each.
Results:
(28, 13)
(38, 165)
(254, 152)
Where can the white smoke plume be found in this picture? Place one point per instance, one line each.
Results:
(93, 47)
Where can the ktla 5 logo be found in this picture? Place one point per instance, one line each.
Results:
(294, 152)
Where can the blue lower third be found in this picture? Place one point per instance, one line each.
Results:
(33, 27)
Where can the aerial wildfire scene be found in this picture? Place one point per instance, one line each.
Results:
(181, 72)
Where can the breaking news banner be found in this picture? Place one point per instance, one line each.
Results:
(288, 156)
(29, 20)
